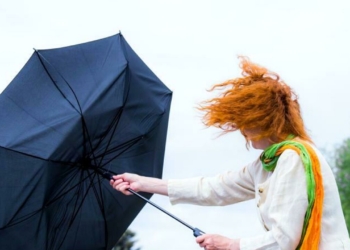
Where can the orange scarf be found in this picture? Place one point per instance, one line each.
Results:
(311, 233)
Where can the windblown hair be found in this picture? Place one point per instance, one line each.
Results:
(257, 100)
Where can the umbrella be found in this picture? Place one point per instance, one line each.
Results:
(69, 117)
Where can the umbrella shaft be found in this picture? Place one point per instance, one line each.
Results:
(161, 209)
(109, 176)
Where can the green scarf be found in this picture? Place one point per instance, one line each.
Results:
(269, 159)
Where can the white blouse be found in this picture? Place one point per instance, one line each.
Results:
(281, 200)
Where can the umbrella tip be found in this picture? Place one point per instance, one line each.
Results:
(120, 32)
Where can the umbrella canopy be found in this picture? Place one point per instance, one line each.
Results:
(69, 115)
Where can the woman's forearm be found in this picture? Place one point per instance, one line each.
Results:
(154, 185)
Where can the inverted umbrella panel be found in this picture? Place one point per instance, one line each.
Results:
(68, 114)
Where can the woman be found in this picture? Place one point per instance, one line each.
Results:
(294, 188)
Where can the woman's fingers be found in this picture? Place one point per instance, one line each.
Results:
(121, 186)
(118, 177)
(201, 240)
(123, 182)
(116, 183)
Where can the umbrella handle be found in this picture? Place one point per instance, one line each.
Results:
(197, 232)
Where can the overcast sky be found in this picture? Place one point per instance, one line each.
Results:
(192, 45)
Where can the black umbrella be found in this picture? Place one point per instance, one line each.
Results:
(71, 117)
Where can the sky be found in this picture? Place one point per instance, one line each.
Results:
(192, 45)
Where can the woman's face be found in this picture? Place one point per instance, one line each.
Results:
(257, 144)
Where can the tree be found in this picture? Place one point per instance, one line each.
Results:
(126, 242)
(342, 175)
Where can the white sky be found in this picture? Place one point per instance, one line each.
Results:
(192, 45)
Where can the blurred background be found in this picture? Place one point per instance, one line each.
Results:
(192, 45)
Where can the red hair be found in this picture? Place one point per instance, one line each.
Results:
(257, 100)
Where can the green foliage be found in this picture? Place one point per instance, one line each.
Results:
(126, 242)
(342, 174)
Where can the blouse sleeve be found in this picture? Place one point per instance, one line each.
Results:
(223, 189)
(285, 206)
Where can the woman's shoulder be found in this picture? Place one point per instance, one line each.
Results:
(256, 170)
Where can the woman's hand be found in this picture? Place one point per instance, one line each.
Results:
(217, 242)
(124, 181)
(139, 183)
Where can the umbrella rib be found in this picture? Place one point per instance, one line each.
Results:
(66, 192)
(108, 52)
(87, 191)
(86, 136)
(59, 193)
(103, 212)
(75, 213)
(33, 117)
(113, 123)
(40, 158)
(129, 146)
(40, 56)
(28, 216)
(121, 146)
(99, 198)
(55, 235)
(117, 117)
(77, 206)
